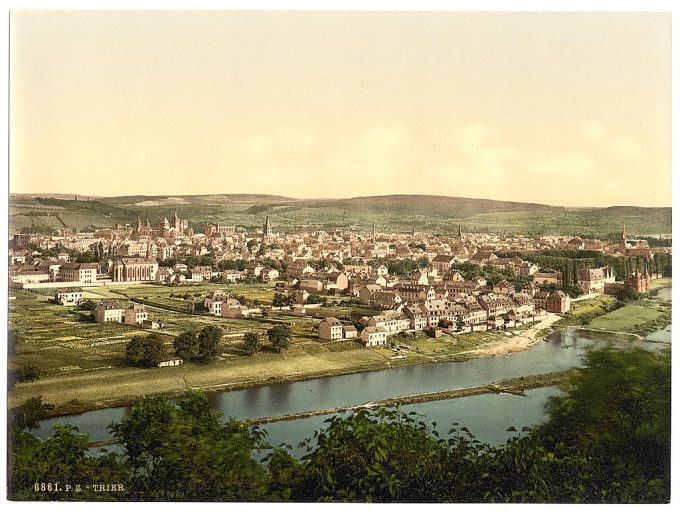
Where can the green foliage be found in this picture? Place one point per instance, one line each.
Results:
(184, 453)
(29, 414)
(27, 373)
(607, 441)
(186, 345)
(41, 470)
(200, 345)
(145, 351)
(251, 341)
(87, 305)
(209, 339)
(282, 300)
(279, 337)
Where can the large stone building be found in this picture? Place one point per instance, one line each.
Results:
(83, 272)
(592, 280)
(109, 312)
(133, 269)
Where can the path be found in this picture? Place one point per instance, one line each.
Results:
(516, 343)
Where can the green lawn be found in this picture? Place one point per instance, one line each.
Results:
(664, 282)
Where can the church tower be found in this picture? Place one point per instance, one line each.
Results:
(266, 228)
(177, 223)
(165, 227)
(623, 240)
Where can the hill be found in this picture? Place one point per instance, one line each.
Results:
(433, 214)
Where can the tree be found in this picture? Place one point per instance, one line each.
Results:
(251, 341)
(145, 351)
(184, 453)
(186, 345)
(209, 339)
(87, 305)
(279, 336)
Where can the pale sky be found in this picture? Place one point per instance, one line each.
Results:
(567, 109)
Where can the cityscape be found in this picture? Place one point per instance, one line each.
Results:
(284, 257)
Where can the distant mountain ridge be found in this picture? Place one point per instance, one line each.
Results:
(387, 201)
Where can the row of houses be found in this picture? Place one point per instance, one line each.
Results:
(487, 312)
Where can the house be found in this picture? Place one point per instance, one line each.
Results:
(213, 302)
(330, 329)
(443, 262)
(417, 316)
(592, 280)
(233, 276)
(301, 296)
(483, 257)
(28, 276)
(67, 296)
(172, 361)
(530, 289)
(82, 272)
(164, 275)
(299, 269)
(527, 269)
(380, 270)
(374, 337)
(503, 287)
(269, 274)
(349, 331)
(205, 271)
(391, 321)
(108, 311)
(544, 278)
(232, 308)
(558, 302)
(135, 315)
(541, 300)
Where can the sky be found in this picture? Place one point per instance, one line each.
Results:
(568, 109)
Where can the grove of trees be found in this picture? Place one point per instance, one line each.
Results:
(199, 345)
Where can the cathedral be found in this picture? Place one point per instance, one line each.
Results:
(172, 228)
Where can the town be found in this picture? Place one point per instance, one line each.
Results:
(403, 282)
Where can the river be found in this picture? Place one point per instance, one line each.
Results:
(487, 416)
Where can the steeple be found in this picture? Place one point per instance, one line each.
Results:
(267, 227)
(460, 233)
(624, 238)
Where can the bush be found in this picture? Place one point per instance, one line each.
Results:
(145, 351)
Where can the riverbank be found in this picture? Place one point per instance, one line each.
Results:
(518, 342)
(77, 392)
(80, 391)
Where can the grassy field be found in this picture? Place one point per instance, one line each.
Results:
(63, 339)
(641, 317)
(657, 284)
(584, 311)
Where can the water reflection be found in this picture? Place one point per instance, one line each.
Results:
(560, 351)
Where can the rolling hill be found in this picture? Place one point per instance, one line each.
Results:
(434, 214)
